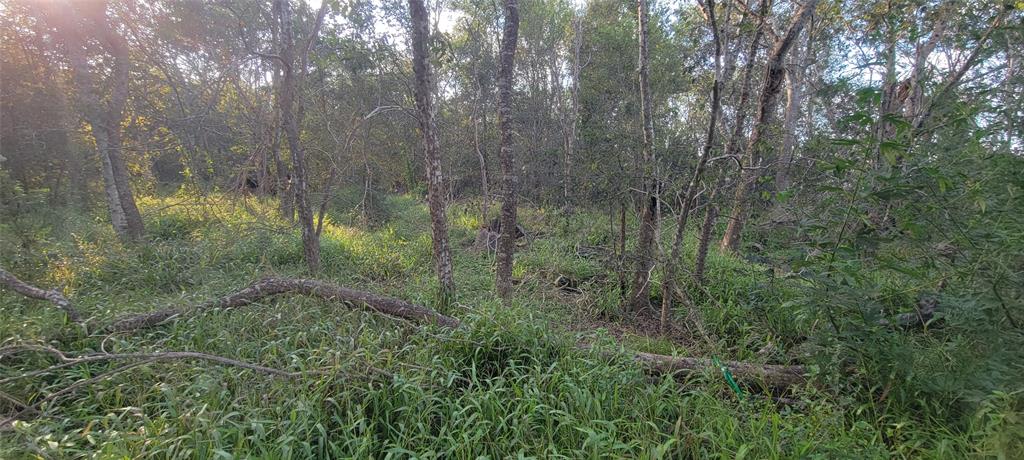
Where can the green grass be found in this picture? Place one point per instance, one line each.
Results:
(511, 383)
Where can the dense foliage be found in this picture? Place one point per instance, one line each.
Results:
(883, 247)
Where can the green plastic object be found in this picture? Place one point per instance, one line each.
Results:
(728, 378)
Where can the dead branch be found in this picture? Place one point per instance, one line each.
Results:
(6, 423)
(775, 376)
(268, 287)
(139, 358)
(67, 361)
(13, 283)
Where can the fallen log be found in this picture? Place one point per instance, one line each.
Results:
(13, 283)
(775, 376)
(268, 287)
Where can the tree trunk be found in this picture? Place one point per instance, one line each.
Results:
(485, 191)
(283, 176)
(435, 181)
(733, 145)
(117, 217)
(640, 291)
(668, 283)
(570, 120)
(506, 240)
(710, 214)
(104, 119)
(766, 109)
(290, 119)
(794, 102)
(915, 95)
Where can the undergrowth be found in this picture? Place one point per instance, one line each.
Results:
(512, 383)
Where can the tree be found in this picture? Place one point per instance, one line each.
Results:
(668, 283)
(640, 291)
(294, 63)
(571, 114)
(795, 71)
(757, 144)
(77, 26)
(506, 240)
(435, 181)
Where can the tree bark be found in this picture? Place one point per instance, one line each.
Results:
(640, 291)
(283, 176)
(291, 121)
(710, 214)
(104, 118)
(732, 147)
(118, 99)
(775, 376)
(765, 113)
(570, 119)
(54, 296)
(668, 284)
(794, 103)
(435, 181)
(509, 179)
(478, 113)
(915, 96)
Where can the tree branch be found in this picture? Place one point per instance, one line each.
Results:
(274, 286)
(13, 283)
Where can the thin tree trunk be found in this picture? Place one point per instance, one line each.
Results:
(117, 217)
(915, 96)
(733, 145)
(794, 102)
(435, 181)
(710, 214)
(765, 112)
(640, 292)
(283, 180)
(133, 219)
(570, 120)
(668, 284)
(622, 248)
(485, 192)
(883, 128)
(290, 118)
(954, 79)
(506, 239)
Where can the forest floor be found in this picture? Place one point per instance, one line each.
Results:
(511, 383)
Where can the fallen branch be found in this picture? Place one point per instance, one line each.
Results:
(772, 375)
(775, 376)
(67, 361)
(13, 283)
(268, 287)
(139, 358)
(37, 408)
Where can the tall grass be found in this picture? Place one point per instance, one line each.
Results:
(512, 383)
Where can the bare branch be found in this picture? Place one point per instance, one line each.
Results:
(13, 283)
(274, 286)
